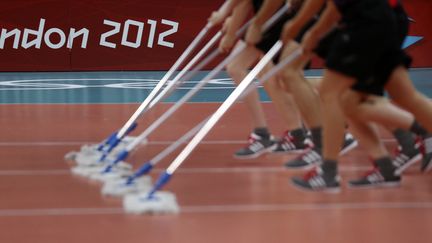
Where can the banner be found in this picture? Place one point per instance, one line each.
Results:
(84, 35)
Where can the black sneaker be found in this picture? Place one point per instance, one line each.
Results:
(374, 178)
(316, 180)
(426, 149)
(307, 160)
(288, 143)
(404, 160)
(257, 146)
(349, 144)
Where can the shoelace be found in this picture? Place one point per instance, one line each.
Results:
(250, 140)
(371, 171)
(420, 143)
(287, 138)
(310, 174)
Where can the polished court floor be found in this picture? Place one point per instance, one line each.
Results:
(45, 115)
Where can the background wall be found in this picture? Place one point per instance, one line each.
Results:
(36, 35)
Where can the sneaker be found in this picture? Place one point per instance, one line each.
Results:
(403, 161)
(288, 143)
(307, 160)
(349, 144)
(426, 149)
(316, 180)
(374, 178)
(257, 146)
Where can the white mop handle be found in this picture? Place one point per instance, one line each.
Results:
(276, 69)
(177, 143)
(276, 16)
(224, 107)
(163, 81)
(185, 98)
(172, 85)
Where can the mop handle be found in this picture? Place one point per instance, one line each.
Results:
(163, 81)
(223, 108)
(174, 83)
(177, 143)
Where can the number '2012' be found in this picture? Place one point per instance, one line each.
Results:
(126, 39)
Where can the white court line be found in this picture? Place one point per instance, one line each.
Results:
(73, 143)
(216, 170)
(238, 208)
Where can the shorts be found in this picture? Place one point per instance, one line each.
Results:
(390, 60)
(366, 36)
(271, 36)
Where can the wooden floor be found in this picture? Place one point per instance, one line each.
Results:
(222, 199)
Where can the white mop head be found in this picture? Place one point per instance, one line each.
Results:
(161, 203)
(119, 188)
(70, 156)
(90, 159)
(87, 171)
(116, 173)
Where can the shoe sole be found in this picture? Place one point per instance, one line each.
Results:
(349, 148)
(335, 190)
(295, 151)
(428, 167)
(410, 162)
(305, 168)
(381, 185)
(256, 155)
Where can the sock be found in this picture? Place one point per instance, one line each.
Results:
(262, 132)
(330, 168)
(418, 129)
(299, 135)
(406, 140)
(385, 166)
(317, 138)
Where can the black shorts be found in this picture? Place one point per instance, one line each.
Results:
(391, 59)
(271, 36)
(366, 35)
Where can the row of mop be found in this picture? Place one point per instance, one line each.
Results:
(106, 162)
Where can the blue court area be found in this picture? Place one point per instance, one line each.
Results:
(127, 87)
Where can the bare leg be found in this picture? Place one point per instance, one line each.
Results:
(403, 92)
(238, 69)
(304, 94)
(283, 102)
(364, 131)
(332, 88)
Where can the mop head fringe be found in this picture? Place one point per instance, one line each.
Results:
(88, 171)
(88, 153)
(114, 174)
(162, 202)
(120, 188)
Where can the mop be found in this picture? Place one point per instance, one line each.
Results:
(155, 201)
(91, 151)
(117, 184)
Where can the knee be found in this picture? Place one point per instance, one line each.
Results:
(410, 101)
(290, 79)
(234, 71)
(272, 85)
(348, 106)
